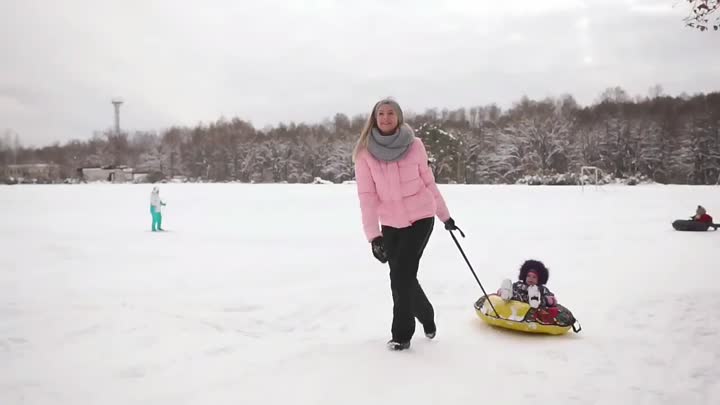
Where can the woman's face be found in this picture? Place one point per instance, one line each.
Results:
(387, 119)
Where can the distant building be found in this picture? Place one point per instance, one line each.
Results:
(140, 177)
(35, 172)
(112, 174)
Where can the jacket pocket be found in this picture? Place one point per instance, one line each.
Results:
(409, 172)
(412, 187)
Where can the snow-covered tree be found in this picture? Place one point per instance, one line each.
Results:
(443, 148)
(704, 14)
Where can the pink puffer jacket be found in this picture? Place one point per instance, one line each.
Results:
(397, 193)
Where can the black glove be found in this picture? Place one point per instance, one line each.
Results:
(450, 225)
(378, 249)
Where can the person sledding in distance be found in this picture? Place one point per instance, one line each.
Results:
(698, 222)
(702, 216)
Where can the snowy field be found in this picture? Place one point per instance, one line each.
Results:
(268, 294)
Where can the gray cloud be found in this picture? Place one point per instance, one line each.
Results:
(273, 60)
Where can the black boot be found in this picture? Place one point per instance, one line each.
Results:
(393, 345)
(430, 330)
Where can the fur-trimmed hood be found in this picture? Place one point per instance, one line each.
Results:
(537, 266)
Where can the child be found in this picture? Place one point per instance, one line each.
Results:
(701, 215)
(530, 286)
(156, 205)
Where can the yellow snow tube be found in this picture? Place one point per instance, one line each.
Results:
(512, 315)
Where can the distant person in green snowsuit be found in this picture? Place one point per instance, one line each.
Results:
(156, 209)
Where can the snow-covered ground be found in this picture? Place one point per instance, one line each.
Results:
(269, 294)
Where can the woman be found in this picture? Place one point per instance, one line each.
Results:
(397, 190)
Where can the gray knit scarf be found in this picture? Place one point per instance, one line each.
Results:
(390, 148)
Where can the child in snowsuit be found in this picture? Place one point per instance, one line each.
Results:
(156, 209)
(530, 286)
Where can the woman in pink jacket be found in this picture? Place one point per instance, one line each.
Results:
(399, 201)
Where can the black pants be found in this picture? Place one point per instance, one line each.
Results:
(405, 247)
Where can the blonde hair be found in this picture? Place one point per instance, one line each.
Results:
(371, 123)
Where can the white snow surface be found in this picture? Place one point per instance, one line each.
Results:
(270, 294)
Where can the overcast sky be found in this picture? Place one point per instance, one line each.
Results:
(266, 61)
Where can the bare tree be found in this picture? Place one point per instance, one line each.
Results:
(703, 14)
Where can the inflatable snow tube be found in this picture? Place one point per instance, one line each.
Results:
(519, 316)
(690, 225)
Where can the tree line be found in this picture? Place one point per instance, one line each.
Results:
(662, 138)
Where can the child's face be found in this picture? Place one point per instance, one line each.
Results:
(531, 279)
